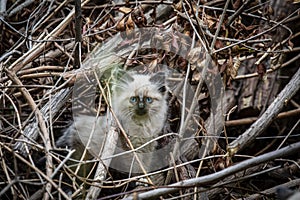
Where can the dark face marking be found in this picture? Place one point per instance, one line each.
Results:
(141, 111)
(141, 104)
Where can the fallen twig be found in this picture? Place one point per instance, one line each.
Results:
(269, 115)
(208, 179)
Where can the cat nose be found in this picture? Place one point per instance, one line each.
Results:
(141, 105)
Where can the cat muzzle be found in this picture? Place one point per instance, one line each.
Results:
(141, 105)
(141, 109)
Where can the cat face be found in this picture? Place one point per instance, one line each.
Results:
(140, 96)
(141, 104)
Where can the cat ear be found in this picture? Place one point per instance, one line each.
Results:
(162, 89)
(159, 78)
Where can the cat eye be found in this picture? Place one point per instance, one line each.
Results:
(149, 99)
(133, 99)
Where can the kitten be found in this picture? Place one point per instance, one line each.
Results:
(139, 102)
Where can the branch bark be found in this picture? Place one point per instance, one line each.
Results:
(211, 178)
(250, 120)
(42, 128)
(77, 56)
(269, 115)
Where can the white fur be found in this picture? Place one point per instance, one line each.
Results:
(140, 129)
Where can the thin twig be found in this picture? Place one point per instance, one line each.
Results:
(78, 32)
(219, 27)
(49, 180)
(250, 120)
(208, 179)
(267, 117)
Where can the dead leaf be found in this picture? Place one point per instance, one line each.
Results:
(139, 18)
(261, 70)
(121, 25)
(236, 4)
(130, 27)
(125, 10)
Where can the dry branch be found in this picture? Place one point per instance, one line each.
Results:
(37, 49)
(42, 128)
(78, 32)
(205, 180)
(48, 110)
(273, 190)
(250, 120)
(37, 44)
(48, 178)
(269, 115)
(102, 167)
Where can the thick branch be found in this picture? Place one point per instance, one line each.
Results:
(269, 115)
(211, 178)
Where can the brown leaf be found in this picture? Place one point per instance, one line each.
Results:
(152, 65)
(261, 70)
(182, 63)
(223, 67)
(219, 44)
(175, 42)
(121, 25)
(130, 27)
(251, 27)
(125, 10)
(232, 70)
(139, 18)
(130, 23)
(236, 4)
(195, 55)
